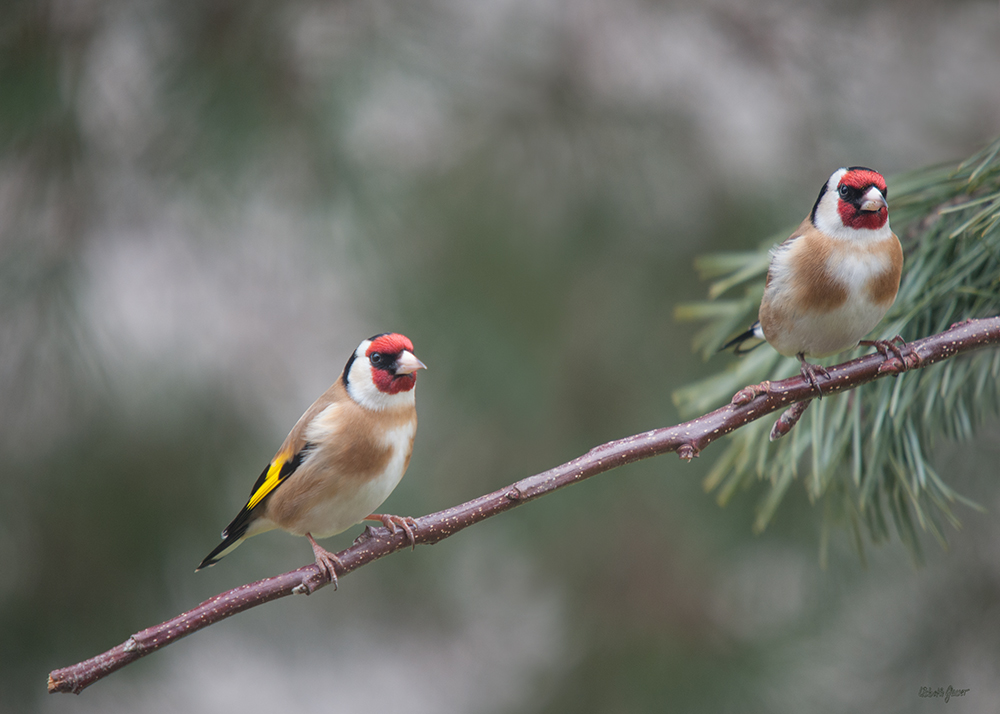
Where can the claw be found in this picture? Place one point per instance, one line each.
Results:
(405, 522)
(884, 347)
(897, 362)
(811, 372)
(326, 561)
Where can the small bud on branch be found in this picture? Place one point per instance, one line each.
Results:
(687, 439)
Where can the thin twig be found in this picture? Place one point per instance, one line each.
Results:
(687, 439)
(789, 419)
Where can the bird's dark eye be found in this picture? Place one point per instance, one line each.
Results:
(844, 191)
(376, 359)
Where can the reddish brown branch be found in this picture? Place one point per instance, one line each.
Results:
(686, 439)
(789, 419)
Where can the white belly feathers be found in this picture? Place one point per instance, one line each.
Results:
(336, 515)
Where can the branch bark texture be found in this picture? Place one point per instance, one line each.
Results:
(687, 439)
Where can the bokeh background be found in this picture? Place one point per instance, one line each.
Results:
(206, 205)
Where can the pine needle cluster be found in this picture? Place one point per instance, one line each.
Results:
(866, 456)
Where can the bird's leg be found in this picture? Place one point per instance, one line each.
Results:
(326, 561)
(811, 371)
(405, 522)
(884, 347)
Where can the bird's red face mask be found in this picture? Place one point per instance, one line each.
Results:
(393, 363)
(862, 199)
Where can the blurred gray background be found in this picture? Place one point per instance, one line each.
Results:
(206, 205)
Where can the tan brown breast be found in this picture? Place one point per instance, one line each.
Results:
(816, 289)
(350, 448)
(882, 288)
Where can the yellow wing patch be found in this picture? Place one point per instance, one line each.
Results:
(274, 477)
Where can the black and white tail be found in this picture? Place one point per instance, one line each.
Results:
(754, 335)
(232, 537)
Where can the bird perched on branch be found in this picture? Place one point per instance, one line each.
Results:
(832, 281)
(343, 457)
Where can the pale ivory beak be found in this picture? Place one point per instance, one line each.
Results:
(408, 363)
(873, 200)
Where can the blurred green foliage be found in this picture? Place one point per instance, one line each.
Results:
(949, 220)
(205, 205)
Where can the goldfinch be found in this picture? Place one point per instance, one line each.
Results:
(832, 281)
(342, 458)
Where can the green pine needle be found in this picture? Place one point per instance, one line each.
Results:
(866, 455)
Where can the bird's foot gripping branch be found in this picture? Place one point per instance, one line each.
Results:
(902, 358)
(685, 439)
